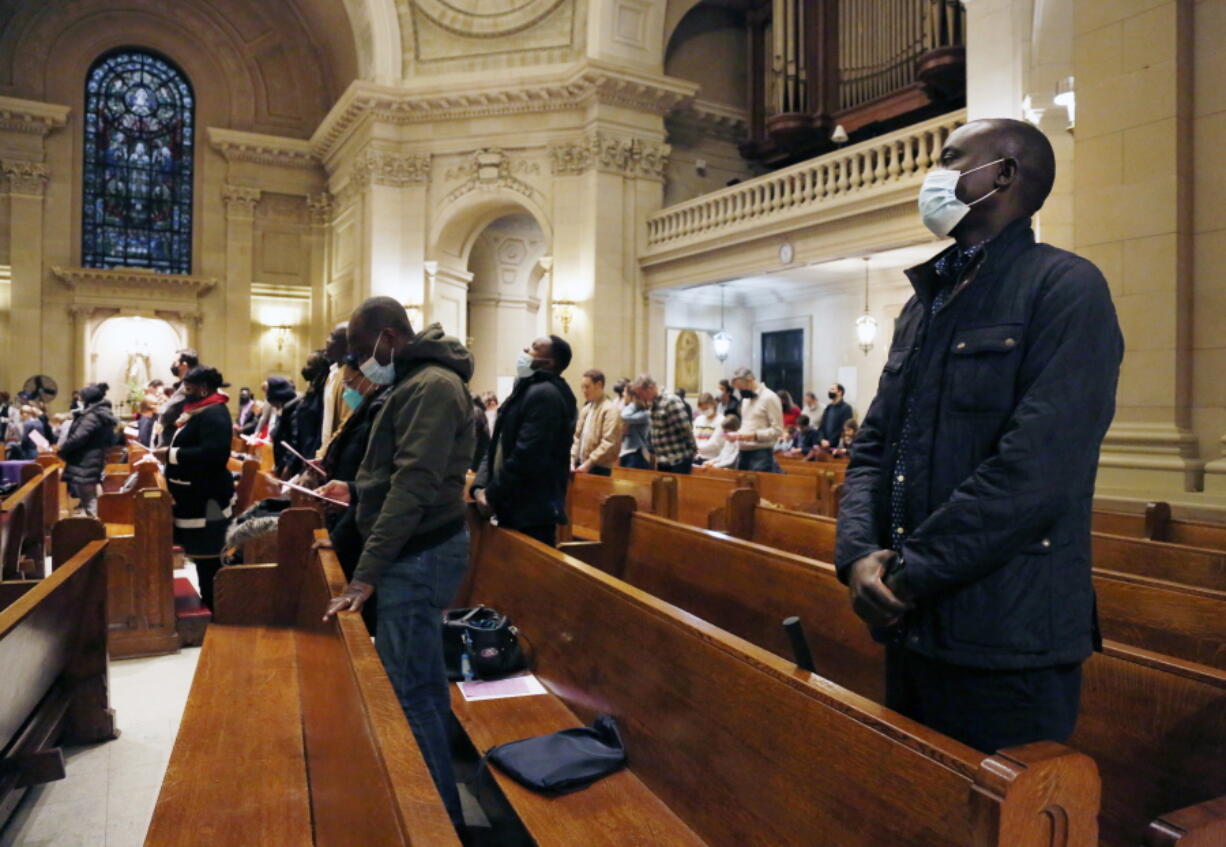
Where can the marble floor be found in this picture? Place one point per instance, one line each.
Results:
(108, 796)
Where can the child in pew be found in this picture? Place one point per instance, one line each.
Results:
(729, 451)
(843, 448)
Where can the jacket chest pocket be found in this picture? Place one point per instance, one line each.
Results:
(982, 368)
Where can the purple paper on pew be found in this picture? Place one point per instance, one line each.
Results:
(521, 685)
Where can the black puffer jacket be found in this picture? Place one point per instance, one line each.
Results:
(196, 469)
(525, 481)
(84, 450)
(1012, 388)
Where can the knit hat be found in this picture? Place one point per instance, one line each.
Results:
(280, 390)
(91, 394)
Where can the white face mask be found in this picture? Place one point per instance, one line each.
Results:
(939, 206)
(375, 372)
(523, 365)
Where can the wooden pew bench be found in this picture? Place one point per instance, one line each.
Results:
(23, 524)
(1172, 618)
(1155, 725)
(140, 566)
(1157, 524)
(735, 745)
(53, 671)
(587, 492)
(292, 734)
(692, 500)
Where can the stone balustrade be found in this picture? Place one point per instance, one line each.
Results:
(855, 173)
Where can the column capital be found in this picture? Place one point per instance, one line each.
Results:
(24, 177)
(628, 155)
(240, 201)
(319, 208)
(383, 167)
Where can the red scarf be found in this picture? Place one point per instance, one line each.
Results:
(212, 400)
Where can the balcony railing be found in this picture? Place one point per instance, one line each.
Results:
(889, 161)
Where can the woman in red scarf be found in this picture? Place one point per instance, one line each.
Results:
(197, 476)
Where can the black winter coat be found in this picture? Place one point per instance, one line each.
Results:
(1013, 383)
(535, 428)
(196, 469)
(84, 450)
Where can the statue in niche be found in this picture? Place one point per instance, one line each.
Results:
(135, 378)
(688, 365)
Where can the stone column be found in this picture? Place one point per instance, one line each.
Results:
(27, 182)
(80, 365)
(319, 208)
(446, 300)
(240, 202)
(1133, 207)
(391, 190)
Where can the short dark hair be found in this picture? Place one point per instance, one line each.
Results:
(730, 422)
(840, 387)
(1036, 160)
(210, 378)
(803, 420)
(560, 350)
(595, 375)
(619, 387)
(188, 356)
(376, 314)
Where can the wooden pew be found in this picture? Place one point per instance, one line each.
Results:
(731, 745)
(691, 501)
(292, 734)
(140, 566)
(23, 524)
(1171, 618)
(53, 671)
(802, 492)
(1155, 725)
(584, 496)
(1156, 524)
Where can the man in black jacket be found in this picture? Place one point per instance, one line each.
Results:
(964, 528)
(523, 477)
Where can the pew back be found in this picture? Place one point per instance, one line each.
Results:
(311, 705)
(1155, 725)
(23, 523)
(588, 491)
(745, 750)
(697, 495)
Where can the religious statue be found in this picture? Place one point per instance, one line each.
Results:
(688, 364)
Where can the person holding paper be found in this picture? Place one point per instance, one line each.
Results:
(409, 504)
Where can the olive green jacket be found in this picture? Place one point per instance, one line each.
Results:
(410, 487)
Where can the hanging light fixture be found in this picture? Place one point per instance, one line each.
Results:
(721, 341)
(866, 324)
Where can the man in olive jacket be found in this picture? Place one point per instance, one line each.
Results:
(409, 497)
(964, 525)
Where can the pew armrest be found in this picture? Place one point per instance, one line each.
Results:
(1202, 825)
(1039, 781)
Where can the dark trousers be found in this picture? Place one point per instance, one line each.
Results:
(757, 460)
(680, 467)
(544, 534)
(634, 460)
(597, 470)
(206, 570)
(985, 709)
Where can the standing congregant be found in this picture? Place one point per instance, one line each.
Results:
(964, 528)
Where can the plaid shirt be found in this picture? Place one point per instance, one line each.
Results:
(672, 433)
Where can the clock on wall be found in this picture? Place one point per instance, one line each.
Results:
(786, 253)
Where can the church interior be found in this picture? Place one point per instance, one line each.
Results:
(690, 189)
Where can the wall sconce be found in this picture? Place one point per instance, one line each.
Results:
(417, 315)
(564, 312)
(280, 335)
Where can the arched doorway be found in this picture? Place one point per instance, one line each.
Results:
(505, 304)
(126, 352)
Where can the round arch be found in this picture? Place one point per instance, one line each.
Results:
(376, 28)
(453, 234)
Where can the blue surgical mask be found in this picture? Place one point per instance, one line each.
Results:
(523, 364)
(352, 397)
(939, 206)
(375, 372)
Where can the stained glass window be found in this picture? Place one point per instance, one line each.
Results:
(139, 137)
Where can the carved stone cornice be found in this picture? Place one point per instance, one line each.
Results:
(31, 116)
(128, 280)
(240, 200)
(25, 177)
(626, 155)
(259, 149)
(382, 167)
(710, 120)
(577, 87)
(319, 208)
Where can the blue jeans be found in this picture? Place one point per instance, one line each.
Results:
(412, 596)
(634, 460)
(758, 460)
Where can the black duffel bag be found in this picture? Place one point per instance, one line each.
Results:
(480, 643)
(565, 761)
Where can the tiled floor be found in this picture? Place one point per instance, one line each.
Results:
(108, 796)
